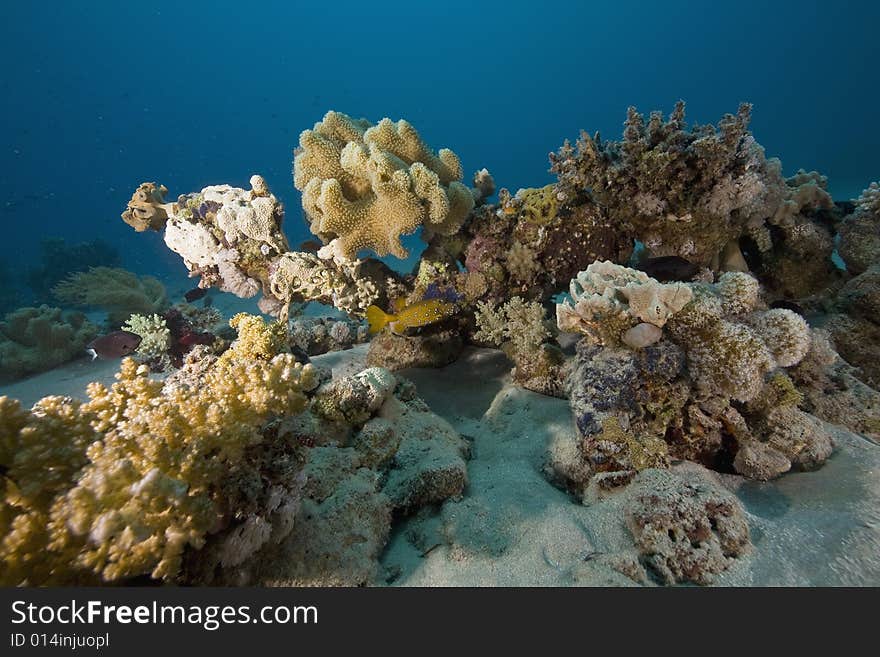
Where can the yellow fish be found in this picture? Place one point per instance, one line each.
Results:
(418, 314)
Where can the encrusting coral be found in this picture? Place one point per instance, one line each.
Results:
(608, 300)
(854, 324)
(318, 335)
(121, 293)
(684, 529)
(376, 450)
(231, 238)
(34, 340)
(366, 185)
(701, 389)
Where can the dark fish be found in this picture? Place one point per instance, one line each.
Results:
(113, 345)
(195, 294)
(668, 268)
(787, 305)
(310, 246)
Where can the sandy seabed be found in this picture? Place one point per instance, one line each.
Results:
(512, 527)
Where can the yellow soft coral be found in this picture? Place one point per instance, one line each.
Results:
(154, 484)
(42, 452)
(364, 186)
(256, 339)
(123, 484)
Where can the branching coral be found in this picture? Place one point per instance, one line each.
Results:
(37, 339)
(680, 192)
(521, 329)
(41, 452)
(119, 292)
(364, 186)
(154, 333)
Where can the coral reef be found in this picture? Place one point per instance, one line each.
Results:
(854, 324)
(376, 450)
(34, 340)
(318, 335)
(711, 388)
(530, 244)
(684, 192)
(119, 292)
(792, 252)
(522, 331)
(860, 232)
(232, 239)
(609, 300)
(58, 260)
(177, 474)
(366, 185)
(167, 338)
(226, 235)
(155, 338)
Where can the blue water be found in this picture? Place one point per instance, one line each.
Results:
(99, 96)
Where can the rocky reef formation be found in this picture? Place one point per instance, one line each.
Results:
(708, 384)
(151, 478)
(377, 451)
(318, 335)
(731, 366)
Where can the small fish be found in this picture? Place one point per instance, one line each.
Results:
(113, 345)
(195, 294)
(668, 268)
(787, 305)
(418, 314)
(310, 246)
